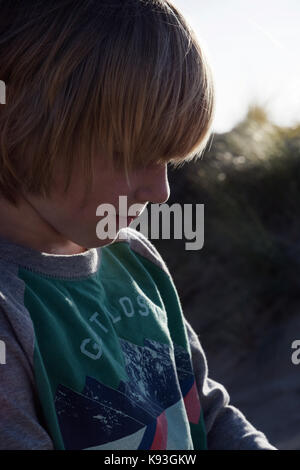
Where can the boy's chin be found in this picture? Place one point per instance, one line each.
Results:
(98, 242)
(87, 243)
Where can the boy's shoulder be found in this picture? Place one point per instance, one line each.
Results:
(140, 244)
(14, 258)
(11, 286)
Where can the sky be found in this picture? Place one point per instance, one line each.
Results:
(253, 48)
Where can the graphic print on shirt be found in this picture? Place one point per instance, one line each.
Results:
(142, 413)
(111, 359)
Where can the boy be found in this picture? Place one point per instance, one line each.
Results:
(101, 95)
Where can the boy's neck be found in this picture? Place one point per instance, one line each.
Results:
(24, 226)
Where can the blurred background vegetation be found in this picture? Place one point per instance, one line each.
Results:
(248, 271)
(246, 278)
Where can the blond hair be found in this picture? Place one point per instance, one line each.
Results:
(125, 79)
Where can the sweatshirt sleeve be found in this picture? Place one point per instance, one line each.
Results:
(226, 427)
(20, 415)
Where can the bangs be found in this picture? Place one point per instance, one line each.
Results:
(124, 81)
(161, 100)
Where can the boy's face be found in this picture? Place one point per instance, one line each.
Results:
(74, 218)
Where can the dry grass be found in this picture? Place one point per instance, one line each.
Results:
(248, 272)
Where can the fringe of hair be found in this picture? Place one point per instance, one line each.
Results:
(126, 81)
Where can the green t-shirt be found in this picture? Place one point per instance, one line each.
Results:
(112, 362)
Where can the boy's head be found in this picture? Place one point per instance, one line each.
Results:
(115, 86)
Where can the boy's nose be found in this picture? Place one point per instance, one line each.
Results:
(154, 187)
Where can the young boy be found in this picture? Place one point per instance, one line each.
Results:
(100, 96)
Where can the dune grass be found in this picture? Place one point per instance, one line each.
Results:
(247, 275)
